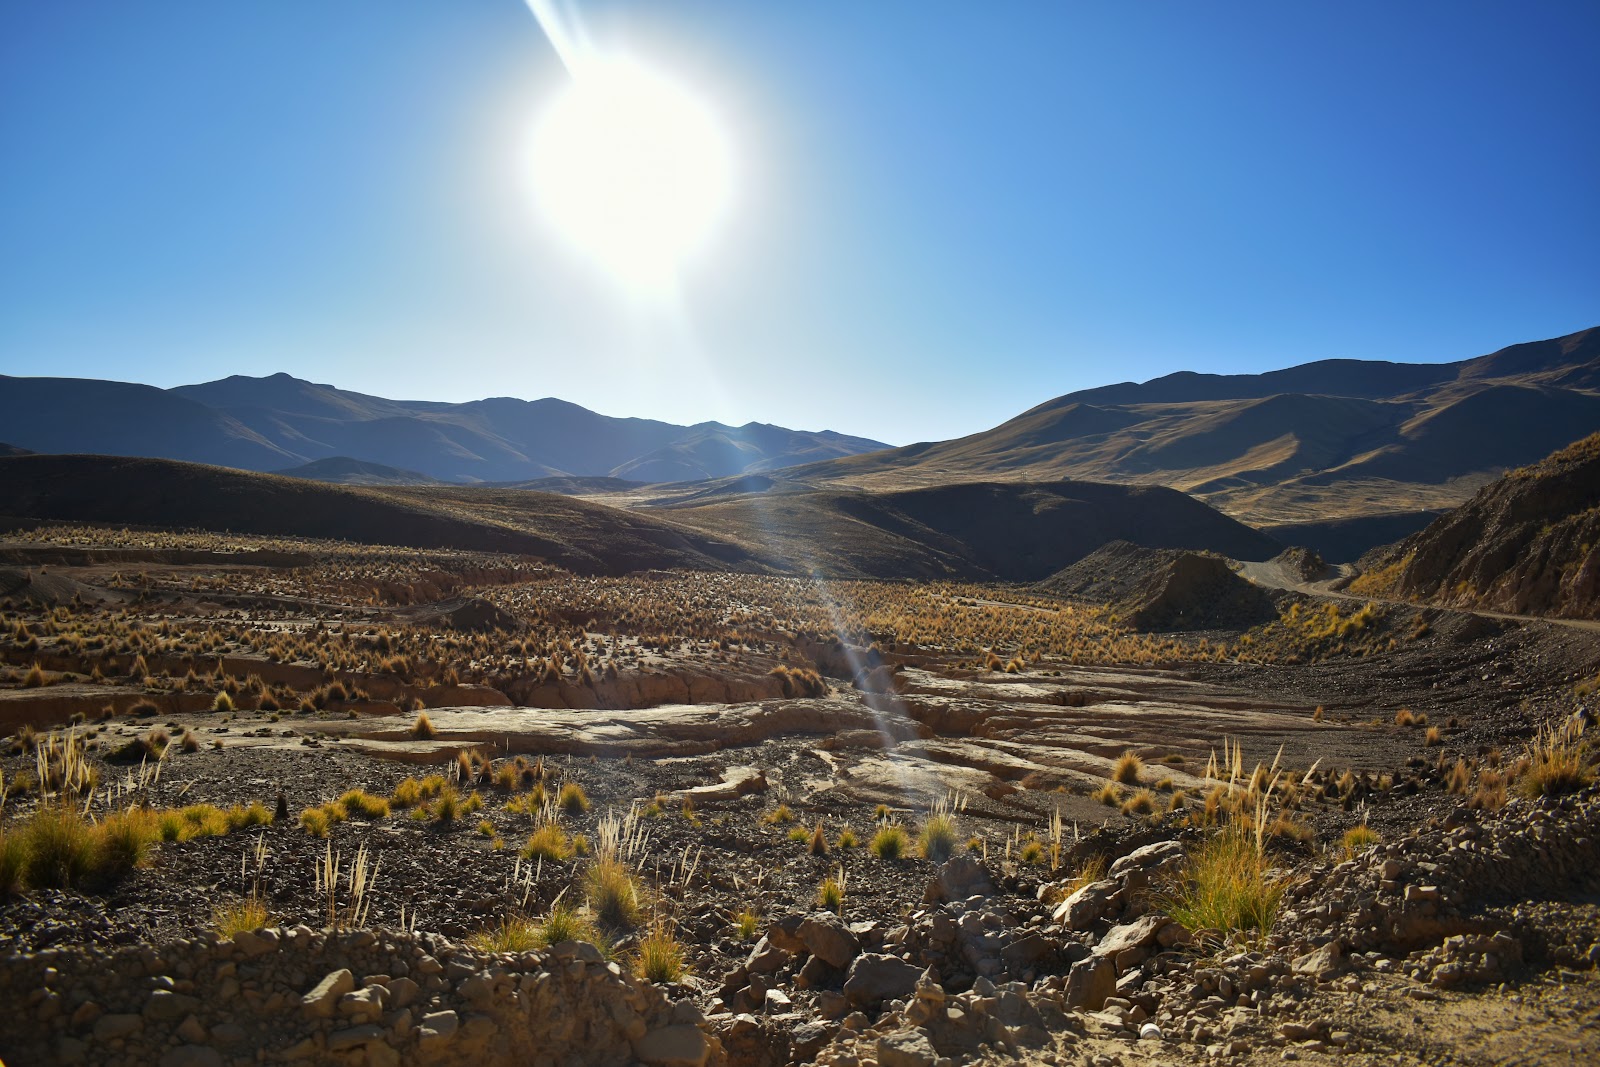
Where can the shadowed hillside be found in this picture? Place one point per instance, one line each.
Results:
(342, 470)
(147, 492)
(1010, 531)
(1528, 543)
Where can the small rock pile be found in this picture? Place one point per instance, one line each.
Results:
(303, 996)
(1433, 888)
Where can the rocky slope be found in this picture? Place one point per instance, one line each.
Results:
(1528, 544)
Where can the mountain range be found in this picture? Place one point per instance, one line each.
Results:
(1317, 443)
(1338, 454)
(281, 423)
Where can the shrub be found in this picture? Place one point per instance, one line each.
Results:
(572, 799)
(818, 845)
(1033, 852)
(890, 842)
(35, 677)
(563, 924)
(1433, 737)
(61, 846)
(778, 815)
(548, 843)
(509, 935)
(200, 820)
(613, 893)
(660, 955)
(1556, 762)
(240, 917)
(189, 743)
(316, 822)
(407, 793)
(847, 839)
(13, 862)
(1358, 839)
(1140, 802)
(1225, 886)
(830, 894)
(358, 803)
(223, 702)
(799, 833)
(423, 729)
(448, 807)
(746, 924)
(937, 840)
(1109, 794)
(1126, 771)
(241, 817)
(126, 839)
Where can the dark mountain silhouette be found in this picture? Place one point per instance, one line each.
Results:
(1322, 442)
(281, 422)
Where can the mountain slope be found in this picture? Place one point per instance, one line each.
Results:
(993, 530)
(1528, 543)
(342, 470)
(585, 537)
(1325, 441)
(279, 422)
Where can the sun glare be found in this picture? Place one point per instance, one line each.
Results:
(633, 170)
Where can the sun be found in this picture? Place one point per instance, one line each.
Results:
(633, 170)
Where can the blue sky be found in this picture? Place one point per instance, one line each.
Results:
(946, 213)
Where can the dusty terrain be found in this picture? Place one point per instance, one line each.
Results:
(732, 728)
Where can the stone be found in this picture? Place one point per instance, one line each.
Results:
(256, 943)
(959, 878)
(363, 1003)
(1147, 860)
(826, 937)
(766, 957)
(193, 1031)
(873, 978)
(354, 1037)
(191, 1056)
(679, 1045)
(324, 996)
(1131, 935)
(1087, 906)
(1090, 982)
(403, 992)
(1321, 963)
(784, 933)
(438, 1027)
(909, 1048)
(165, 1007)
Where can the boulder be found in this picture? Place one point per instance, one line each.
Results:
(959, 877)
(1090, 982)
(826, 937)
(1137, 934)
(681, 1045)
(324, 996)
(874, 978)
(909, 1048)
(1138, 866)
(1087, 906)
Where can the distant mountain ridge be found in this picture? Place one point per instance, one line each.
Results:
(280, 423)
(1325, 441)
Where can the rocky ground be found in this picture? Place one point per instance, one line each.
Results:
(1467, 932)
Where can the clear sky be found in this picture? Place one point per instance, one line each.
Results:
(942, 213)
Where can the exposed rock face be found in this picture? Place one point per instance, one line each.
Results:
(1528, 544)
(316, 998)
